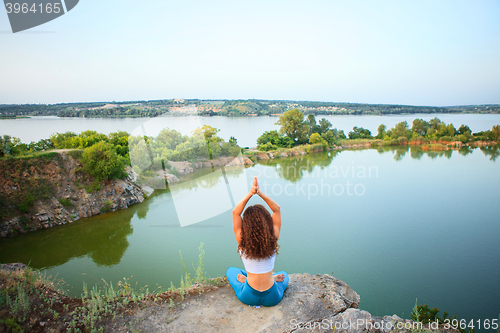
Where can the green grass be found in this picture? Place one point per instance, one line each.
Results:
(65, 202)
(28, 297)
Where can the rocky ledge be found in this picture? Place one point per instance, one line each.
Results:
(312, 303)
(117, 194)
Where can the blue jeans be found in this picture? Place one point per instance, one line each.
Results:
(250, 296)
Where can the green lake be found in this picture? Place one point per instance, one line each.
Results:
(395, 224)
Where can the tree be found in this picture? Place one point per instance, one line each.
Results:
(5, 145)
(311, 123)
(496, 132)
(329, 137)
(292, 125)
(324, 125)
(233, 140)
(420, 127)
(360, 133)
(209, 133)
(102, 162)
(63, 140)
(401, 130)
(381, 131)
(434, 123)
(463, 129)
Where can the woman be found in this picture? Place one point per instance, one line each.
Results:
(257, 235)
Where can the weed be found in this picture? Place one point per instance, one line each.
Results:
(65, 202)
(106, 206)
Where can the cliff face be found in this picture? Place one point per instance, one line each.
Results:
(65, 198)
(65, 195)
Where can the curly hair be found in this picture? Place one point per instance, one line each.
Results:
(257, 234)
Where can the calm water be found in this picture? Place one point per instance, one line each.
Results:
(395, 224)
(246, 129)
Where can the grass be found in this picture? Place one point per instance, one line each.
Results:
(106, 206)
(65, 202)
(28, 297)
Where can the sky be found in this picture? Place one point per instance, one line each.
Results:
(436, 53)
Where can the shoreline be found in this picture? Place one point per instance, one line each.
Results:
(75, 202)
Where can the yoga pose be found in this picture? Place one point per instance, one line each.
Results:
(257, 235)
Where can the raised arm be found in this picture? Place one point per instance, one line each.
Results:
(238, 209)
(274, 207)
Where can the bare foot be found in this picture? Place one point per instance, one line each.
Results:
(279, 278)
(241, 278)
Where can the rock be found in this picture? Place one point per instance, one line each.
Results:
(183, 168)
(148, 190)
(171, 178)
(262, 156)
(308, 297)
(13, 267)
(311, 303)
(42, 216)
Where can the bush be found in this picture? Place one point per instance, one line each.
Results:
(267, 147)
(315, 138)
(102, 162)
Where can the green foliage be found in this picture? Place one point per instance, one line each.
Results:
(422, 313)
(201, 275)
(293, 125)
(95, 186)
(400, 130)
(315, 138)
(360, 133)
(272, 140)
(106, 206)
(495, 130)
(464, 129)
(26, 203)
(324, 125)
(65, 202)
(381, 131)
(102, 162)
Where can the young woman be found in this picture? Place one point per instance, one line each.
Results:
(257, 235)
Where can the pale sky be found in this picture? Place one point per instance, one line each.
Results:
(421, 52)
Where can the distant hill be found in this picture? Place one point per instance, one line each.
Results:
(252, 107)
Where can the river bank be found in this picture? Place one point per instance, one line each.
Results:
(311, 303)
(255, 154)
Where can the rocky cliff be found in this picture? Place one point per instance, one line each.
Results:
(311, 303)
(69, 195)
(66, 198)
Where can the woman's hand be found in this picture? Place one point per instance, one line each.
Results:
(255, 187)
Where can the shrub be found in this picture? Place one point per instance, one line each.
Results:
(102, 162)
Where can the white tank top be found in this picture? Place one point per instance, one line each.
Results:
(259, 266)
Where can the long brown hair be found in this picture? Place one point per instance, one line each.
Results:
(257, 234)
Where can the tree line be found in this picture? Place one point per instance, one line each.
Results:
(296, 129)
(228, 108)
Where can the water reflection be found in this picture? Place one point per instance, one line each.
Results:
(294, 168)
(493, 152)
(416, 152)
(103, 238)
(465, 150)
